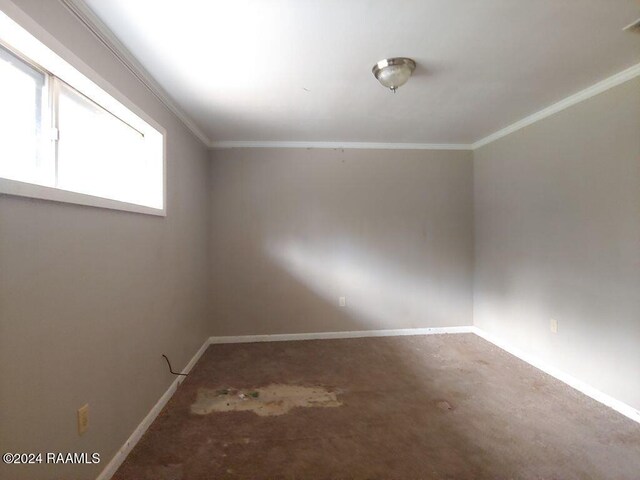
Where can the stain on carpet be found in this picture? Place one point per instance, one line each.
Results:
(444, 405)
(271, 400)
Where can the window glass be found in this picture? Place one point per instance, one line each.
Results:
(22, 152)
(101, 155)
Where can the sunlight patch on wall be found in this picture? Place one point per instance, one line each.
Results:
(376, 288)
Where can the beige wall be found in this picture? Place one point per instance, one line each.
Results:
(292, 230)
(91, 298)
(557, 227)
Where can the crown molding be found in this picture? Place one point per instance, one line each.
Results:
(97, 27)
(602, 86)
(340, 145)
(83, 13)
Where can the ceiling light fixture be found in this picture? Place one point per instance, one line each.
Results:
(394, 72)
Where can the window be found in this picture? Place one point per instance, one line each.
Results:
(62, 137)
(21, 97)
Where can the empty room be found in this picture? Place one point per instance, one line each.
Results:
(295, 239)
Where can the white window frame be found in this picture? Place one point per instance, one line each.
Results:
(31, 43)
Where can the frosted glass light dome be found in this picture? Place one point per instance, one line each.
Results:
(394, 72)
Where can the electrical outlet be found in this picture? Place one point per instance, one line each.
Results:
(83, 419)
(554, 325)
(342, 301)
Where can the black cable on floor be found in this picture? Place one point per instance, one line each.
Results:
(171, 369)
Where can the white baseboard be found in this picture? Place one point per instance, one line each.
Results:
(588, 390)
(131, 442)
(348, 334)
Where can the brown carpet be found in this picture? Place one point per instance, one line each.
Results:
(420, 407)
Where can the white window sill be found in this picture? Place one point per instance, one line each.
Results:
(21, 189)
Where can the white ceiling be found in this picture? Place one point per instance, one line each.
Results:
(300, 70)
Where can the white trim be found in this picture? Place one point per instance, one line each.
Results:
(333, 335)
(582, 95)
(111, 467)
(341, 145)
(620, 407)
(41, 192)
(90, 20)
(602, 86)
(632, 26)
